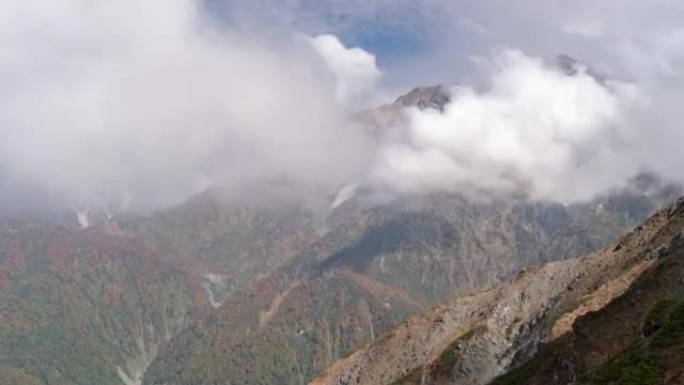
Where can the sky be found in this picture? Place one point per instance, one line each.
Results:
(139, 104)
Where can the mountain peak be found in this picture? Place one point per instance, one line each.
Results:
(431, 97)
(569, 65)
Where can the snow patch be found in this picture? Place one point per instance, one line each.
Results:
(138, 365)
(600, 209)
(136, 380)
(344, 195)
(216, 286)
(82, 217)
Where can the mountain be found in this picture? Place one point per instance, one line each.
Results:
(636, 338)
(232, 245)
(213, 291)
(83, 307)
(207, 291)
(611, 317)
(424, 98)
(372, 268)
(432, 97)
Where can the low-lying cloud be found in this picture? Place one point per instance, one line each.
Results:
(534, 128)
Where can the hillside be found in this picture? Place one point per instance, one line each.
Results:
(83, 307)
(370, 270)
(637, 338)
(341, 192)
(603, 318)
(231, 244)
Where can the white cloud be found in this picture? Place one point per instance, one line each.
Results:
(470, 25)
(534, 129)
(355, 69)
(589, 28)
(146, 102)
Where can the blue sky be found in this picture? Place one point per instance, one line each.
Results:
(399, 33)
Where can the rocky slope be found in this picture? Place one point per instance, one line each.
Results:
(207, 291)
(637, 338)
(583, 313)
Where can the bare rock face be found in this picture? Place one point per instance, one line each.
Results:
(515, 325)
(572, 67)
(569, 65)
(469, 341)
(424, 98)
(633, 337)
(432, 97)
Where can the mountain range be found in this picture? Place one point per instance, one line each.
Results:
(424, 289)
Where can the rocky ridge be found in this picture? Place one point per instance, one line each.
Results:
(477, 338)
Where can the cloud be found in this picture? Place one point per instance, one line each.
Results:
(470, 25)
(142, 103)
(638, 44)
(590, 28)
(534, 129)
(355, 69)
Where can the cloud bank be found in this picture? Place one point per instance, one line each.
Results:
(534, 128)
(142, 103)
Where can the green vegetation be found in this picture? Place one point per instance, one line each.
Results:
(79, 304)
(672, 331)
(640, 363)
(447, 359)
(12, 376)
(411, 377)
(636, 366)
(75, 305)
